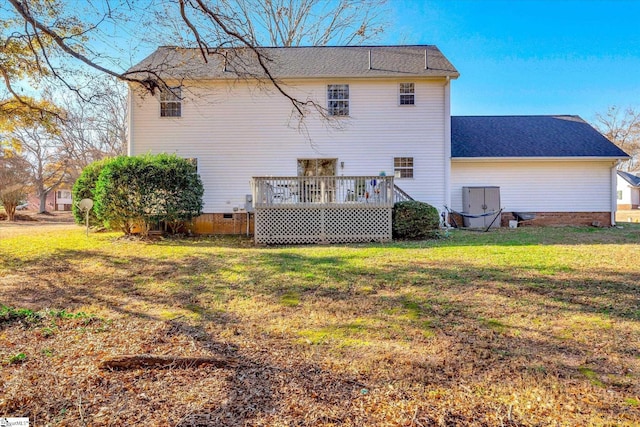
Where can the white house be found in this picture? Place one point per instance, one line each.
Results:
(373, 112)
(628, 190)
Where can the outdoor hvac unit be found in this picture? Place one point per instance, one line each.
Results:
(478, 201)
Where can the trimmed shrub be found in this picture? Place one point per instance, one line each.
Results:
(84, 188)
(415, 220)
(119, 191)
(133, 193)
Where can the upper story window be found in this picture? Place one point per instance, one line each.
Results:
(171, 102)
(407, 94)
(403, 167)
(338, 100)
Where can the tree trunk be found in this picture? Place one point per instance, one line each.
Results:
(42, 195)
(11, 211)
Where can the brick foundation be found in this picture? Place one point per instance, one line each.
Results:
(627, 207)
(561, 218)
(210, 223)
(551, 218)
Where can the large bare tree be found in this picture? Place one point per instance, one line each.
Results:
(310, 22)
(93, 130)
(48, 163)
(622, 127)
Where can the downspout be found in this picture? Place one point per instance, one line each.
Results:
(447, 145)
(130, 121)
(614, 191)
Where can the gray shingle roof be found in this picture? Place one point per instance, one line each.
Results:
(632, 179)
(528, 136)
(301, 62)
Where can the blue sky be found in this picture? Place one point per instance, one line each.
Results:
(530, 56)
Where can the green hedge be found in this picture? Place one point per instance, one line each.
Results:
(415, 220)
(84, 188)
(134, 193)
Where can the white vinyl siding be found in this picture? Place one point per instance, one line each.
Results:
(537, 185)
(237, 131)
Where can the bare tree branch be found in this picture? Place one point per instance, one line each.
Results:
(622, 127)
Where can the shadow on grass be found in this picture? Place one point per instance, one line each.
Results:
(455, 301)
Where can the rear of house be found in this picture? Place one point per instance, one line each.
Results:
(377, 124)
(371, 111)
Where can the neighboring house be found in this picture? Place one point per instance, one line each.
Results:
(628, 191)
(387, 122)
(558, 167)
(58, 200)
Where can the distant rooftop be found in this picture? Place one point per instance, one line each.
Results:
(301, 62)
(632, 179)
(528, 136)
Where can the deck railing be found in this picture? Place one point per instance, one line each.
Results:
(301, 191)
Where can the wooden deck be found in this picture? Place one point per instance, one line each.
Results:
(323, 209)
(334, 191)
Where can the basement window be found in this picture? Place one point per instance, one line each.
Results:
(171, 102)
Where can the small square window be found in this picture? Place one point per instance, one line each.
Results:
(403, 167)
(407, 94)
(338, 100)
(171, 102)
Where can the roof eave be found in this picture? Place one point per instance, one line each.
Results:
(540, 158)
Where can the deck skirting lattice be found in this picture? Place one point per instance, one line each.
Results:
(308, 225)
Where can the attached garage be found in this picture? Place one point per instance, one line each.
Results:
(558, 167)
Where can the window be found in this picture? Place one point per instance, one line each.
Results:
(407, 94)
(403, 167)
(171, 102)
(317, 167)
(338, 100)
(619, 194)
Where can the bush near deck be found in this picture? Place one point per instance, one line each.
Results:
(413, 220)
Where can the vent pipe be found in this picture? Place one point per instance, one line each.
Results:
(426, 63)
(369, 58)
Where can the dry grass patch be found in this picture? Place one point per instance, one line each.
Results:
(516, 327)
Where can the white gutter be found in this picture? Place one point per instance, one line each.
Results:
(614, 191)
(536, 159)
(447, 145)
(130, 121)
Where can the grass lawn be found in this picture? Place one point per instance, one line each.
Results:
(533, 326)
